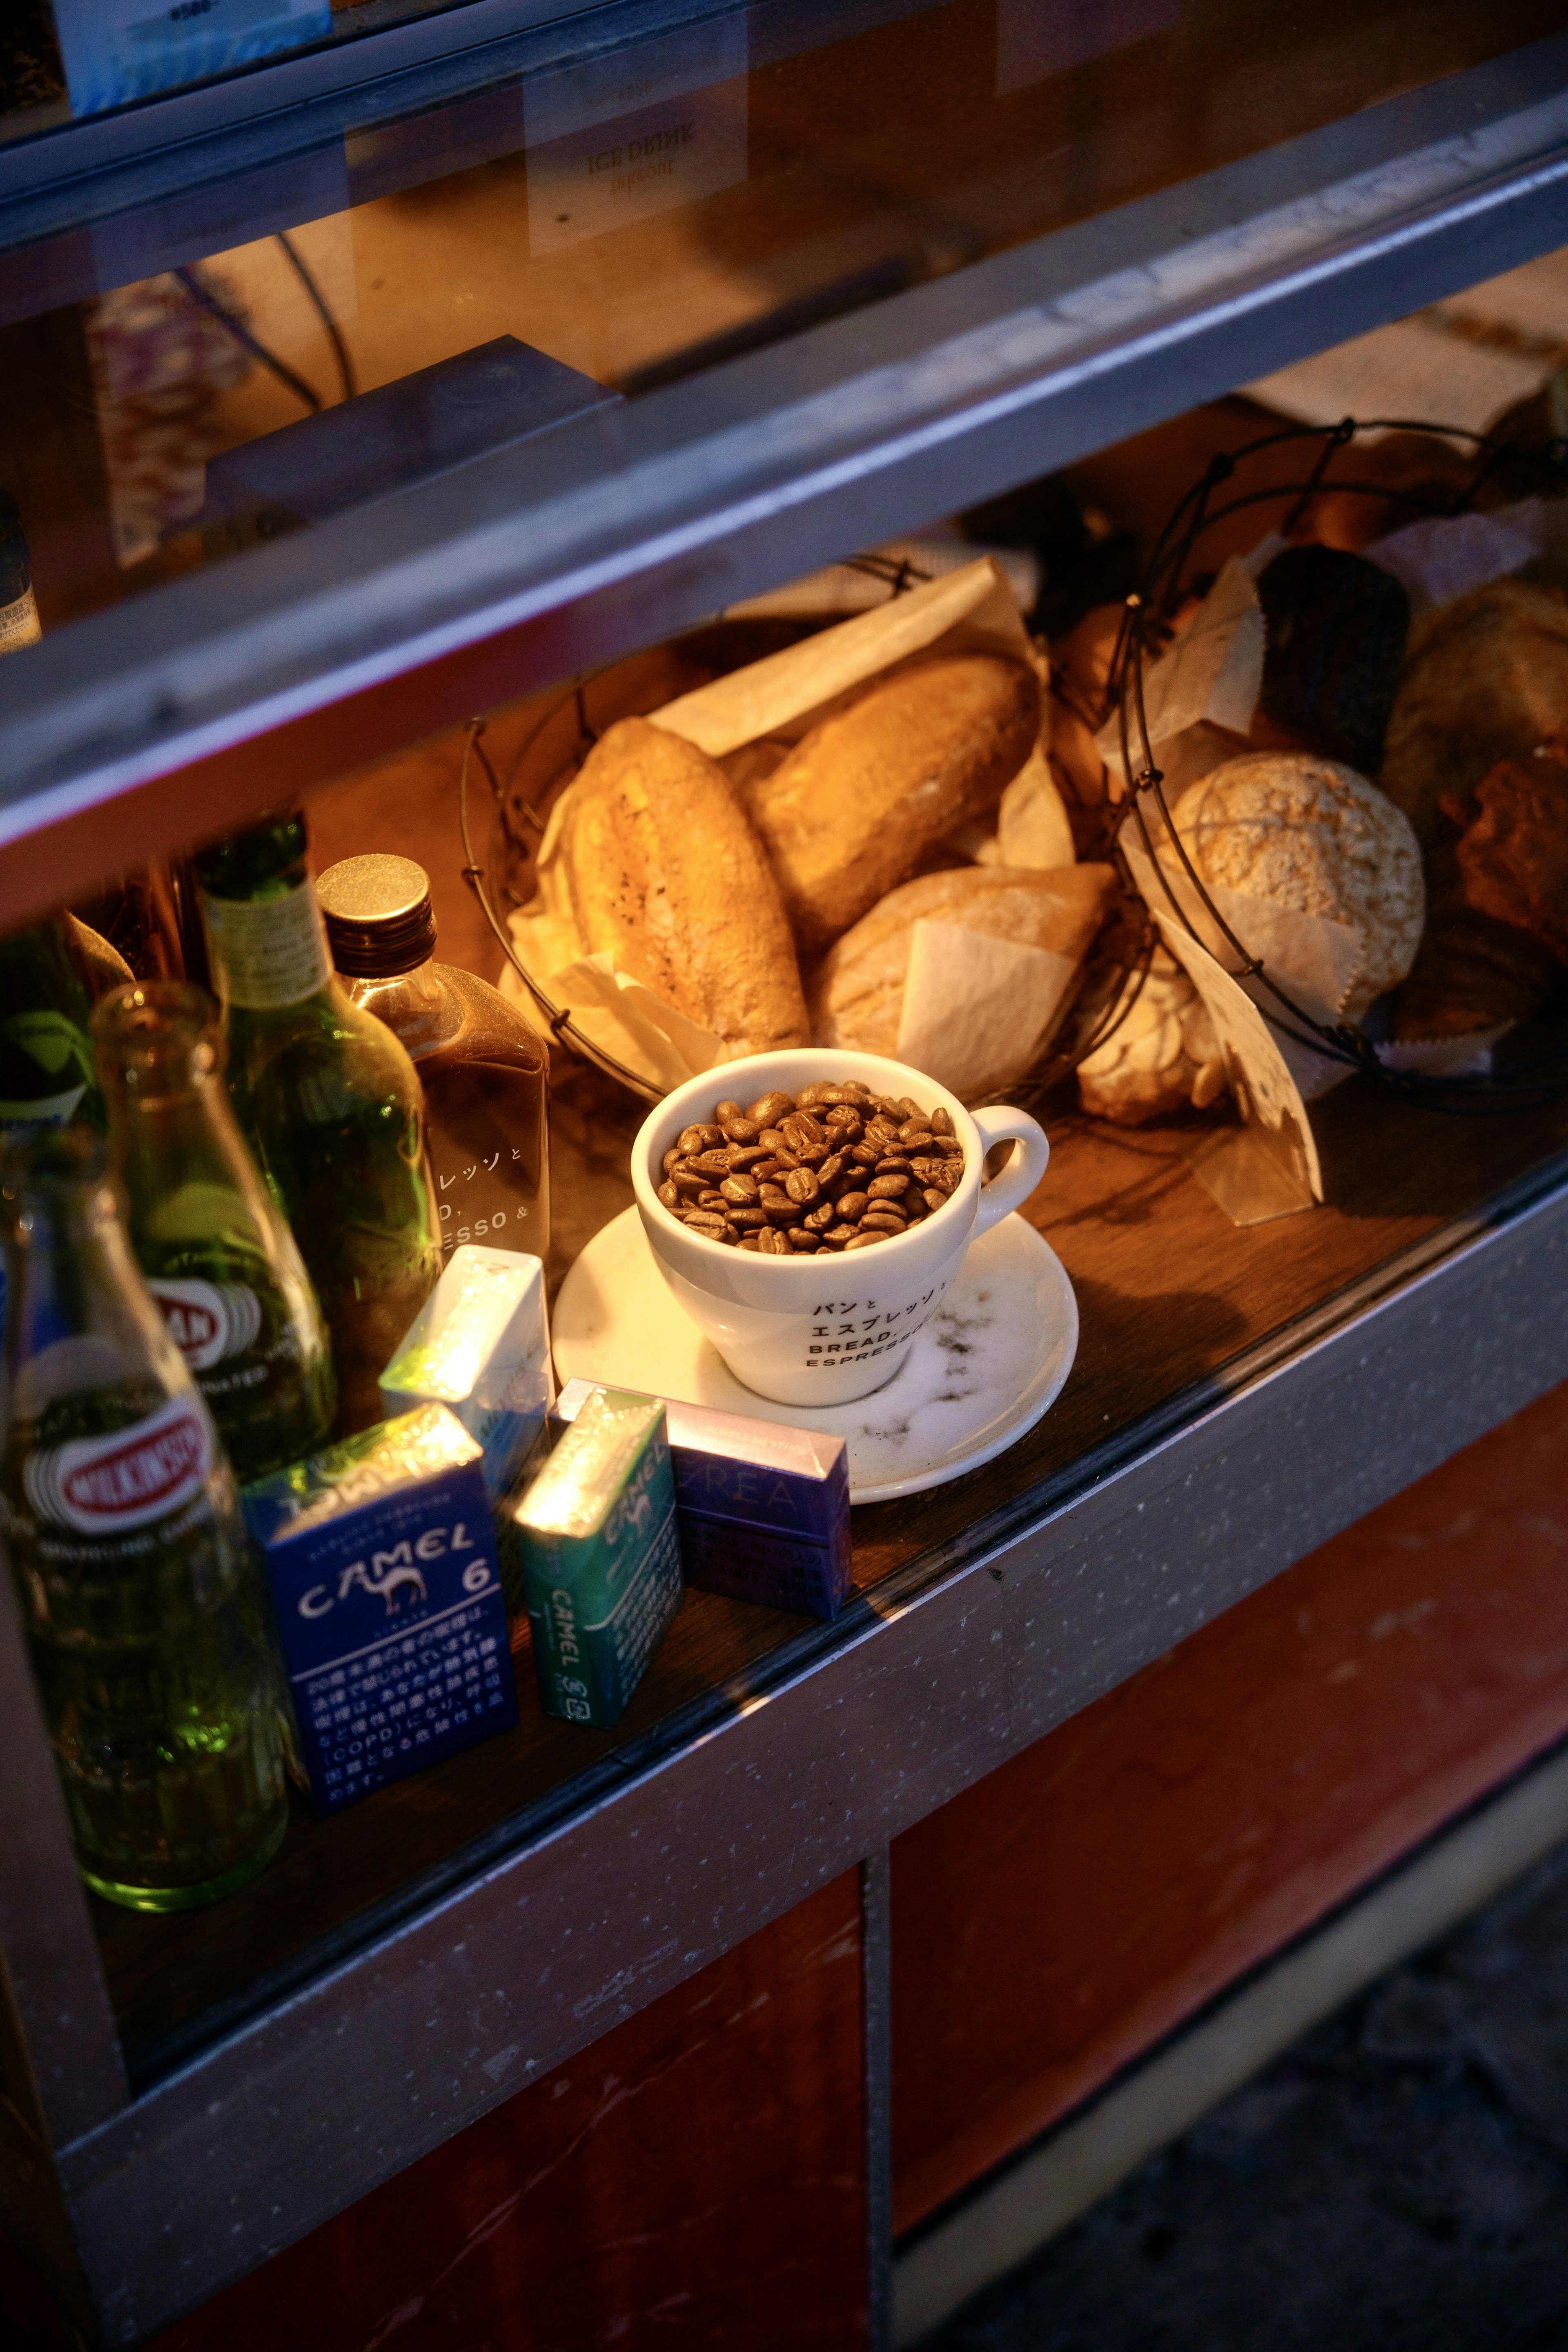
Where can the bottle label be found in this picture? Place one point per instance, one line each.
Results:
(207, 1321)
(19, 624)
(59, 1053)
(49, 1111)
(267, 951)
(101, 1486)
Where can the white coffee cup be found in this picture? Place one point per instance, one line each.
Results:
(825, 1330)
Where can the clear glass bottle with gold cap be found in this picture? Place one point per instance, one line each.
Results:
(484, 1070)
(328, 1100)
(214, 1251)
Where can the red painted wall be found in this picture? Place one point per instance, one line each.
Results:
(1059, 1917)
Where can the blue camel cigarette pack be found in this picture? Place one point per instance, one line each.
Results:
(480, 1344)
(601, 1562)
(762, 1508)
(381, 1557)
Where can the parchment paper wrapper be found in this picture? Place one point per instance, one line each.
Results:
(1200, 698)
(979, 1012)
(1210, 678)
(1314, 959)
(1270, 1169)
(1032, 827)
(780, 699)
(1445, 556)
(847, 588)
(970, 611)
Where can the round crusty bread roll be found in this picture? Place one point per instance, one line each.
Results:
(664, 871)
(856, 998)
(1312, 836)
(860, 801)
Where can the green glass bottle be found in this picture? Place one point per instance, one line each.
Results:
(48, 978)
(215, 1254)
(144, 1609)
(328, 1100)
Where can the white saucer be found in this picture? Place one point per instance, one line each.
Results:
(991, 1361)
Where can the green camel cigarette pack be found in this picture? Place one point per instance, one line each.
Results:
(594, 1536)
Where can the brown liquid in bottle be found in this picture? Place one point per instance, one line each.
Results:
(486, 1096)
(485, 1071)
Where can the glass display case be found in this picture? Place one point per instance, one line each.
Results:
(489, 360)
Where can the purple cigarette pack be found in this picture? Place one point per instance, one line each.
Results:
(381, 1557)
(761, 1508)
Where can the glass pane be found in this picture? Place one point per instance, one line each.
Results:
(249, 359)
(65, 61)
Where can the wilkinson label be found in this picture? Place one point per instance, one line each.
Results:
(207, 1321)
(102, 1485)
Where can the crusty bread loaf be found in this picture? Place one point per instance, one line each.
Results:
(1471, 973)
(1080, 686)
(1485, 679)
(858, 803)
(665, 872)
(859, 991)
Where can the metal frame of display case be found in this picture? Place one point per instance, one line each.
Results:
(130, 730)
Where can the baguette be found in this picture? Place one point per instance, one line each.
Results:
(664, 871)
(858, 804)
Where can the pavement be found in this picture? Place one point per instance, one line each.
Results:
(1396, 2182)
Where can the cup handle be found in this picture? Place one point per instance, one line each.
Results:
(1021, 1173)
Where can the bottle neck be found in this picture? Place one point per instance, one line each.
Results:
(417, 1006)
(171, 1111)
(269, 951)
(72, 1278)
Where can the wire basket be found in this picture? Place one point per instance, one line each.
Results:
(1145, 632)
(561, 738)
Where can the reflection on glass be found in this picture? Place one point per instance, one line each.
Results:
(439, 284)
(114, 51)
(63, 60)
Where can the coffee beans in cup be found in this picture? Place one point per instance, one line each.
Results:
(833, 1168)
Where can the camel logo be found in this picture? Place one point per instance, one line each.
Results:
(207, 1321)
(100, 1486)
(389, 1575)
